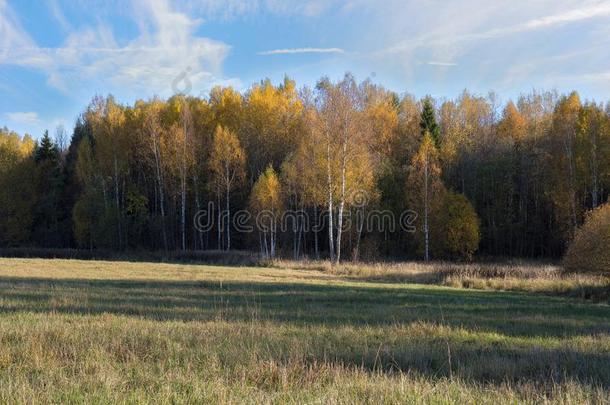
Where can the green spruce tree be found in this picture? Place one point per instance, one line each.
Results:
(428, 122)
(48, 212)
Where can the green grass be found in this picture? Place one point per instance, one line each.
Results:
(106, 332)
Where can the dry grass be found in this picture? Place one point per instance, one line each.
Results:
(526, 277)
(112, 332)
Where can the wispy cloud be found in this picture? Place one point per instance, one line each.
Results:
(58, 14)
(166, 47)
(448, 38)
(444, 64)
(230, 9)
(578, 14)
(293, 51)
(545, 22)
(13, 39)
(27, 118)
(599, 78)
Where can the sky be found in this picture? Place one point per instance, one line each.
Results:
(55, 55)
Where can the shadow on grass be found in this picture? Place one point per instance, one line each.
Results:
(487, 365)
(300, 304)
(513, 314)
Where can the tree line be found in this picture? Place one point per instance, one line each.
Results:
(503, 179)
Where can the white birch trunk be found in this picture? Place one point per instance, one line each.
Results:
(331, 243)
(426, 229)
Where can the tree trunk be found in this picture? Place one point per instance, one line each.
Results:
(339, 226)
(342, 201)
(219, 225)
(300, 233)
(331, 243)
(184, 173)
(161, 193)
(294, 230)
(594, 171)
(272, 236)
(569, 150)
(426, 230)
(116, 197)
(228, 218)
(315, 232)
(360, 225)
(198, 205)
(183, 210)
(262, 246)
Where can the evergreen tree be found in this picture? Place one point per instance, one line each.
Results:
(428, 122)
(72, 189)
(46, 150)
(48, 211)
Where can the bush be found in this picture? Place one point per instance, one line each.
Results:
(589, 251)
(458, 227)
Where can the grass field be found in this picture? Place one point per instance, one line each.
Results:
(107, 332)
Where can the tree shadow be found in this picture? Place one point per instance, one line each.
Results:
(508, 313)
(471, 362)
(301, 304)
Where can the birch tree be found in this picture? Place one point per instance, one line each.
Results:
(154, 134)
(266, 202)
(227, 165)
(304, 174)
(425, 188)
(344, 130)
(563, 144)
(111, 152)
(185, 140)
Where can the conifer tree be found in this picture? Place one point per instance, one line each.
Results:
(428, 122)
(49, 186)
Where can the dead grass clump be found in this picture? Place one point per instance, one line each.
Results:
(528, 277)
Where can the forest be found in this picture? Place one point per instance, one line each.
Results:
(484, 177)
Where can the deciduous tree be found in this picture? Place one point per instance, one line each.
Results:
(227, 165)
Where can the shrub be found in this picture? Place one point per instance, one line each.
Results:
(590, 249)
(459, 228)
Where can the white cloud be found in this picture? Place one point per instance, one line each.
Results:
(166, 47)
(58, 14)
(292, 51)
(307, 8)
(447, 37)
(452, 33)
(574, 15)
(15, 43)
(500, 42)
(27, 118)
(227, 9)
(545, 22)
(230, 9)
(496, 43)
(443, 64)
(597, 78)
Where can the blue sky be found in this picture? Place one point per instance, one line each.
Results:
(55, 55)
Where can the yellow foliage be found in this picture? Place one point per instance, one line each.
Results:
(459, 234)
(267, 193)
(589, 252)
(227, 159)
(513, 124)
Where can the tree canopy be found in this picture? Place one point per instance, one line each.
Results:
(512, 179)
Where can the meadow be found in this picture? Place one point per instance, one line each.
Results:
(125, 332)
